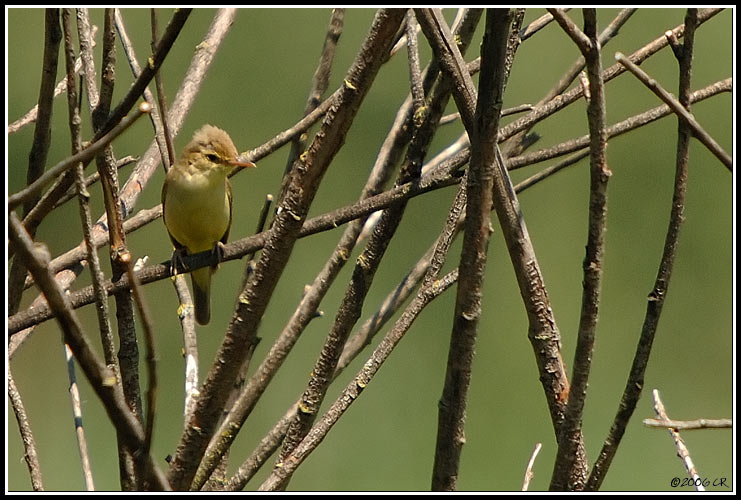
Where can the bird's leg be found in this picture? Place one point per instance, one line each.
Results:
(176, 261)
(218, 250)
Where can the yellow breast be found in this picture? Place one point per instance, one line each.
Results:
(197, 211)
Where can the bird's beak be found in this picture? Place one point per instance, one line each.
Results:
(242, 164)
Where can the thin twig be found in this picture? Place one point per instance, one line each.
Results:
(136, 70)
(88, 181)
(261, 221)
(74, 393)
(259, 456)
(680, 110)
(161, 101)
(682, 451)
(64, 278)
(529, 469)
(536, 26)
(609, 32)
(690, 425)
(616, 129)
(320, 83)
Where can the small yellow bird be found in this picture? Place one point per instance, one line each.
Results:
(197, 204)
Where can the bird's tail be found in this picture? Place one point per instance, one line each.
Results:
(201, 280)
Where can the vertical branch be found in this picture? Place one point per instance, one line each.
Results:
(569, 435)
(97, 274)
(477, 230)
(151, 353)
(634, 385)
(415, 74)
(41, 140)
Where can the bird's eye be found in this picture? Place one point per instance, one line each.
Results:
(212, 157)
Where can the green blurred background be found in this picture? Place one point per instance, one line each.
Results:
(257, 86)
